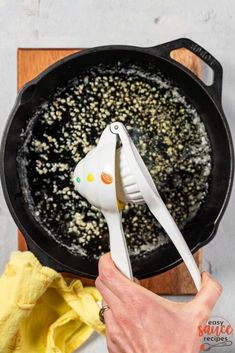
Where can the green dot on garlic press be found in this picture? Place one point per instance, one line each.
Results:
(78, 180)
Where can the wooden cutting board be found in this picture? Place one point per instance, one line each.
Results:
(30, 63)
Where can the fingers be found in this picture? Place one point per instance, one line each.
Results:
(108, 296)
(119, 285)
(209, 293)
(116, 342)
(112, 331)
(108, 318)
(113, 279)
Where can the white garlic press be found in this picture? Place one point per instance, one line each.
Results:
(109, 177)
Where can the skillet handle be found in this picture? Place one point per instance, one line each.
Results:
(164, 50)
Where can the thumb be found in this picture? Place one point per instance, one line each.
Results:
(209, 293)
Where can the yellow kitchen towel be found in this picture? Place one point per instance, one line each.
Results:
(42, 312)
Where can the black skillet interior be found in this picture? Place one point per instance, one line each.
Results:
(206, 100)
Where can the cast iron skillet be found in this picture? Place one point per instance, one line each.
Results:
(207, 100)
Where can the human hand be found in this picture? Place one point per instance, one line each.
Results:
(140, 321)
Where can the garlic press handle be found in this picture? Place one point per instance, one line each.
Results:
(161, 213)
(118, 246)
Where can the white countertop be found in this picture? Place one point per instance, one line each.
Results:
(87, 23)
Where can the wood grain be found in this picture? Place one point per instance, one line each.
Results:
(31, 62)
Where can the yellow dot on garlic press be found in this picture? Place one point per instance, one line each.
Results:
(90, 177)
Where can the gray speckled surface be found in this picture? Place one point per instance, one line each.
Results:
(86, 23)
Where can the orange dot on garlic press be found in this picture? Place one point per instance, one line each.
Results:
(90, 177)
(106, 178)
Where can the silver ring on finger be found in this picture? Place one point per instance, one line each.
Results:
(101, 313)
